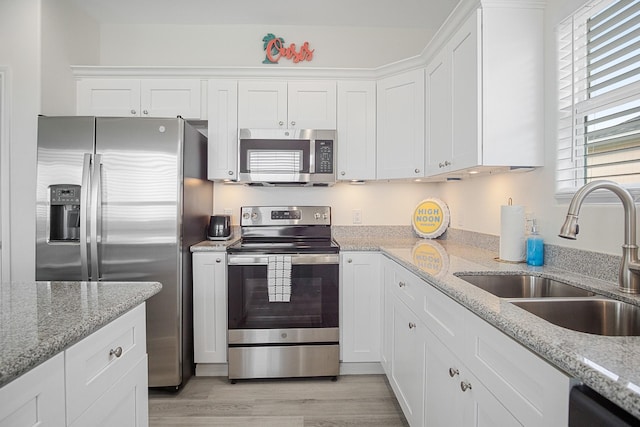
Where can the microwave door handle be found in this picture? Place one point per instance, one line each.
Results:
(84, 209)
(96, 216)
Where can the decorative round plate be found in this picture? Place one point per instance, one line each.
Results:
(430, 218)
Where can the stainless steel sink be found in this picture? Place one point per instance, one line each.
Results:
(523, 286)
(598, 316)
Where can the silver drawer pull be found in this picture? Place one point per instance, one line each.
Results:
(453, 372)
(402, 284)
(117, 352)
(412, 325)
(465, 386)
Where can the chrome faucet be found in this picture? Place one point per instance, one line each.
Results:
(629, 277)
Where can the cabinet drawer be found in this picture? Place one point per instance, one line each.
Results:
(533, 390)
(96, 363)
(444, 317)
(407, 287)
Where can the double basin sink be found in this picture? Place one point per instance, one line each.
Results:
(562, 304)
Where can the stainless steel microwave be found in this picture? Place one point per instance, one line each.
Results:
(287, 157)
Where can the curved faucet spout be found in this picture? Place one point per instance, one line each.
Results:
(629, 279)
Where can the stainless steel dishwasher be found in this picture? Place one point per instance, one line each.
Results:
(589, 408)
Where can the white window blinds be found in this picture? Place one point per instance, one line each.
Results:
(599, 95)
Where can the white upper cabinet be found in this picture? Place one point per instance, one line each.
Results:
(483, 93)
(223, 130)
(400, 121)
(356, 130)
(139, 98)
(296, 104)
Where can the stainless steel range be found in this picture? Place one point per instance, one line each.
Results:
(283, 294)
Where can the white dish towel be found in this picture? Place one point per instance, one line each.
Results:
(279, 278)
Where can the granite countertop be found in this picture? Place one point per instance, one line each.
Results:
(40, 319)
(609, 365)
(213, 245)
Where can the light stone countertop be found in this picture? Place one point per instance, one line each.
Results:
(609, 365)
(40, 319)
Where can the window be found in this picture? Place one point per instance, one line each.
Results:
(599, 96)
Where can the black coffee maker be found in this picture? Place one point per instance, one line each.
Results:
(219, 227)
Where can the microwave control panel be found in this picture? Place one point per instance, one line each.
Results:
(324, 156)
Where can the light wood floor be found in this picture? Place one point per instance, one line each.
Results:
(352, 400)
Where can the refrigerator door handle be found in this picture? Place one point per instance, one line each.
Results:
(84, 218)
(95, 213)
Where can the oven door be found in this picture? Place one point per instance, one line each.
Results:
(313, 301)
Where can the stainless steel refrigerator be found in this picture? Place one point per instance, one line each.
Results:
(122, 199)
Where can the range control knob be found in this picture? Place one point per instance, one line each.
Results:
(254, 216)
(245, 215)
(317, 215)
(325, 216)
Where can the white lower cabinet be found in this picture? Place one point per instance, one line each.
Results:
(210, 307)
(408, 361)
(360, 319)
(124, 404)
(36, 398)
(448, 367)
(100, 381)
(455, 397)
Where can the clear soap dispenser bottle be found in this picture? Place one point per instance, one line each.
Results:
(535, 246)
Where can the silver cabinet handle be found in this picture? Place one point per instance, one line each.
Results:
(447, 163)
(117, 352)
(280, 123)
(145, 112)
(412, 325)
(402, 284)
(293, 123)
(417, 170)
(218, 260)
(133, 112)
(453, 372)
(343, 173)
(464, 386)
(230, 172)
(349, 260)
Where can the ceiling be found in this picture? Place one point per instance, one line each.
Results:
(429, 14)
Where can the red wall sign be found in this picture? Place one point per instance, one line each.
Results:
(275, 49)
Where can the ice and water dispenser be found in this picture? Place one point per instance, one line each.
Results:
(64, 216)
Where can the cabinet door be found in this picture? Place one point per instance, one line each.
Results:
(262, 104)
(36, 398)
(400, 120)
(442, 386)
(223, 130)
(466, 146)
(108, 97)
(311, 105)
(126, 403)
(360, 307)
(387, 275)
(210, 307)
(170, 98)
(408, 362)
(356, 130)
(438, 112)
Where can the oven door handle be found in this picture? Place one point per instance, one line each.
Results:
(296, 259)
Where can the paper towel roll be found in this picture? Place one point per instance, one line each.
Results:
(512, 239)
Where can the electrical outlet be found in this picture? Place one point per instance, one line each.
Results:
(227, 211)
(357, 216)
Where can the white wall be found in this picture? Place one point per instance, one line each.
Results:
(478, 200)
(381, 203)
(20, 52)
(241, 45)
(41, 37)
(69, 36)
